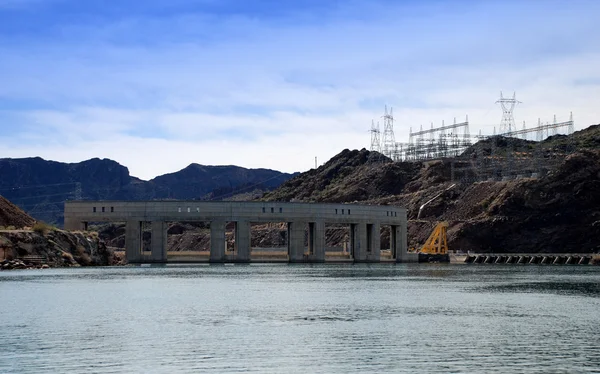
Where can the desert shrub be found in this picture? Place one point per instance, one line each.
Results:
(85, 260)
(41, 228)
(82, 257)
(80, 250)
(68, 257)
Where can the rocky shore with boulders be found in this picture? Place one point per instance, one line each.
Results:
(22, 249)
(29, 244)
(21, 264)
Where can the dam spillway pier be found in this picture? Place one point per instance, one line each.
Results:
(530, 259)
(306, 229)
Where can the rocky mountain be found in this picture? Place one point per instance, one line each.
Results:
(347, 177)
(40, 187)
(557, 212)
(218, 182)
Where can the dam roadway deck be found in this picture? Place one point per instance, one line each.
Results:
(306, 234)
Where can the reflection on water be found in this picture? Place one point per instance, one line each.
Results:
(301, 318)
(581, 288)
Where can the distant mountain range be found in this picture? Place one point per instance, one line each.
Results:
(40, 187)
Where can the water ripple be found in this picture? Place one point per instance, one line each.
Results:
(299, 319)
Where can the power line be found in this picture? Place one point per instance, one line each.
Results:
(22, 206)
(14, 199)
(35, 186)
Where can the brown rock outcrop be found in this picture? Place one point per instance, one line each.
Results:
(12, 215)
(56, 248)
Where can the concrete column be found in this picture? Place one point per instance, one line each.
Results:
(352, 236)
(242, 241)
(360, 239)
(296, 241)
(133, 241)
(158, 245)
(311, 239)
(316, 239)
(394, 240)
(217, 241)
(375, 242)
(402, 255)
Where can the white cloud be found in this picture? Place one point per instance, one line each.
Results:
(261, 94)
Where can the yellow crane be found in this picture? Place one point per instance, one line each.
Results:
(435, 248)
(437, 243)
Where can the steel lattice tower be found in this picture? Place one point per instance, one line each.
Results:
(375, 137)
(78, 191)
(389, 141)
(507, 124)
(571, 128)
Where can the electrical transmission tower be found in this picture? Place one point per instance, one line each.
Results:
(508, 119)
(389, 141)
(375, 137)
(78, 192)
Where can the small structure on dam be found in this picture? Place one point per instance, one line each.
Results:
(306, 234)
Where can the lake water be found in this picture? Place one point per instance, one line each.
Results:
(434, 318)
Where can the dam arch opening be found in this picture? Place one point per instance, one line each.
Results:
(269, 240)
(187, 240)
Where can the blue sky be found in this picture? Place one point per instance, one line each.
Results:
(156, 85)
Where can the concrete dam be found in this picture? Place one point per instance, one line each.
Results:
(306, 222)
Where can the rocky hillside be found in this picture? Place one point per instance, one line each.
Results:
(25, 243)
(12, 216)
(40, 187)
(348, 176)
(559, 212)
(53, 248)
